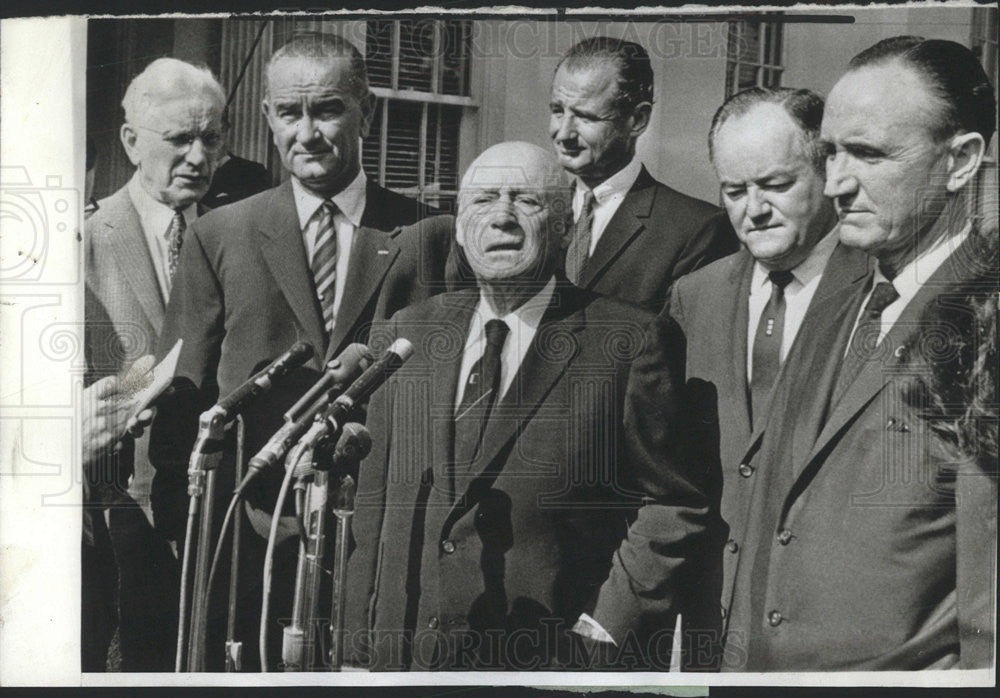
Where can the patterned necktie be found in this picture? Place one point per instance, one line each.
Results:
(479, 395)
(866, 336)
(324, 262)
(767, 344)
(175, 238)
(579, 246)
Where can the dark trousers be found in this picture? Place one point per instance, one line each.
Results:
(98, 612)
(148, 579)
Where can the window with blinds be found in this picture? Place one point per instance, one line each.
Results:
(753, 55)
(419, 71)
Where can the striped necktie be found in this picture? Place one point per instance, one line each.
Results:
(324, 262)
(579, 247)
(175, 237)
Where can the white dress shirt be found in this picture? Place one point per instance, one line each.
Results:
(155, 218)
(522, 323)
(910, 279)
(798, 294)
(350, 208)
(608, 196)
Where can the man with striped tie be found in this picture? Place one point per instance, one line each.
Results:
(317, 258)
(173, 134)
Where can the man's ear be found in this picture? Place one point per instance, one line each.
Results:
(640, 117)
(965, 155)
(128, 136)
(367, 113)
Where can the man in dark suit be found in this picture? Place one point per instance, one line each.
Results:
(317, 258)
(173, 135)
(855, 554)
(633, 236)
(747, 308)
(511, 453)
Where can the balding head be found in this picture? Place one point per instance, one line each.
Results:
(513, 209)
(173, 130)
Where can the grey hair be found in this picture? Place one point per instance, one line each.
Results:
(169, 76)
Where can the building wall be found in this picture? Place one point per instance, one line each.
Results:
(817, 54)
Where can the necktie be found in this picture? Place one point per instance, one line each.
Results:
(175, 237)
(479, 395)
(767, 344)
(866, 336)
(579, 246)
(324, 262)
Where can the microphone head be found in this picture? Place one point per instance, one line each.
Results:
(298, 354)
(401, 348)
(355, 442)
(351, 363)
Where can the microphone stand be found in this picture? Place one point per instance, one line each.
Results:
(343, 510)
(234, 649)
(299, 637)
(202, 469)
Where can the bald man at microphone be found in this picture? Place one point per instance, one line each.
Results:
(511, 452)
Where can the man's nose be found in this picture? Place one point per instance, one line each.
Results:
(758, 207)
(566, 127)
(305, 129)
(197, 154)
(840, 181)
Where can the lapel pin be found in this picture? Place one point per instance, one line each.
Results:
(383, 252)
(900, 352)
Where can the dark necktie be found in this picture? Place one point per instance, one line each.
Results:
(175, 238)
(579, 246)
(866, 336)
(324, 263)
(767, 344)
(479, 395)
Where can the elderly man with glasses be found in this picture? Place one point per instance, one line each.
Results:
(173, 134)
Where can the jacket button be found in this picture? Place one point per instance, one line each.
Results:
(448, 546)
(774, 618)
(746, 470)
(432, 622)
(732, 546)
(784, 536)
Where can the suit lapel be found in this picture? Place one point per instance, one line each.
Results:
(876, 373)
(738, 316)
(627, 222)
(125, 243)
(284, 253)
(372, 253)
(533, 381)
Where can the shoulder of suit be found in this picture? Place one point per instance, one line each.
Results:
(437, 306)
(240, 215)
(667, 195)
(598, 306)
(709, 275)
(386, 209)
(434, 226)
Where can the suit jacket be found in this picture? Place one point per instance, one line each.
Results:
(656, 236)
(711, 307)
(243, 294)
(123, 310)
(524, 540)
(855, 567)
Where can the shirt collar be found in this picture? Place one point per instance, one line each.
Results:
(528, 315)
(350, 200)
(809, 268)
(914, 275)
(154, 215)
(617, 184)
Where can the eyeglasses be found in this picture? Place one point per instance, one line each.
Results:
(212, 141)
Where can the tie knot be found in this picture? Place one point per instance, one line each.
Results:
(884, 295)
(780, 278)
(178, 223)
(329, 208)
(496, 333)
(588, 199)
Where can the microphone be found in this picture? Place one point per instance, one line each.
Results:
(354, 445)
(346, 367)
(236, 401)
(339, 412)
